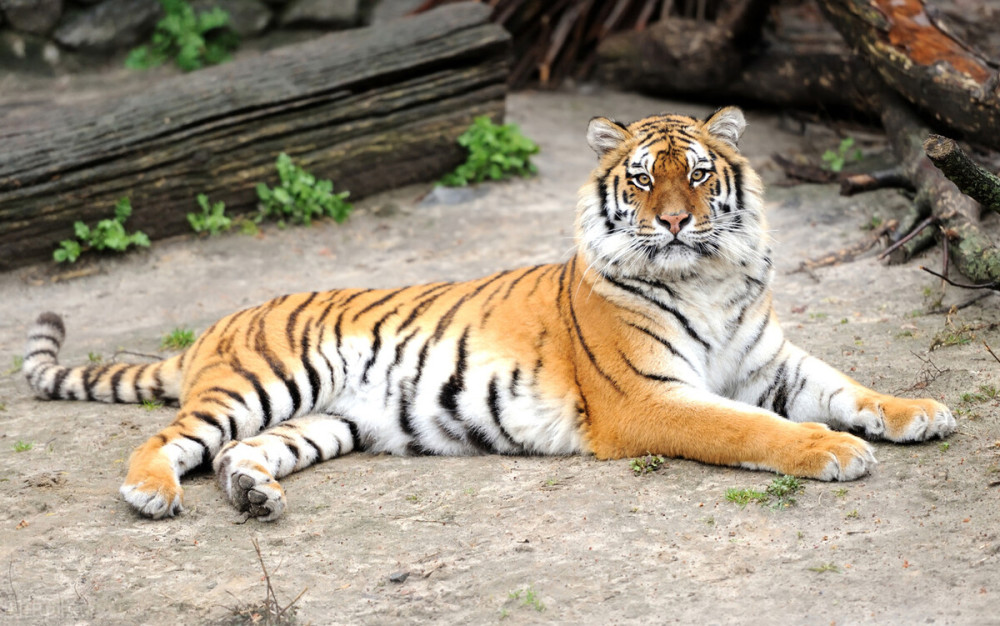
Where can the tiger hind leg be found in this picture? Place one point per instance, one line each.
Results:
(248, 470)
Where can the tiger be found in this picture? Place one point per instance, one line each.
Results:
(657, 336)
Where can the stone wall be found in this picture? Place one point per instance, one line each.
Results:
(58, 36)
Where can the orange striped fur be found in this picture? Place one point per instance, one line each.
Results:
(657, 336)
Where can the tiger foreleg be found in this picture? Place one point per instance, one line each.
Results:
(803, 388)
(696, 424)
(248, 470)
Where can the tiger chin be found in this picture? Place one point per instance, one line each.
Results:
(657, 336)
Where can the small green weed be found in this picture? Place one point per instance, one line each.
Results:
(646, 464)
(835, 160)
(944, 446)
(818, 316)
(108, 234)
(825, 567)
(23, 446)
(192, 40)
(212, 219)
(840, 493)
(151, 405)
(94, 357)
(248, 227)
(985, 394)
(744, 497)
(178, 339)
(873, 223)
(300, 197)
(18, 363)
(496, 152)
(528, 597)
(782, 489)
(852, 515)
(3, 406)
(414, 498)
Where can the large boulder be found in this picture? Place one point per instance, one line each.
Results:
(247, 18)
(110, 25)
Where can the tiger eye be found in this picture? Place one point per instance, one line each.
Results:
(698, 175)
(643, 179)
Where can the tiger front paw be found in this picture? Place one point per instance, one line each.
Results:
(905, 419)
(154, 496)
(815, 451)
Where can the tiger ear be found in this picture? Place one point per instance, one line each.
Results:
(604, 135)
(728, 125)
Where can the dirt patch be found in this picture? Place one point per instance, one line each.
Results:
(522, 540)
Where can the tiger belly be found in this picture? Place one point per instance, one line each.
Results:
(421, 397)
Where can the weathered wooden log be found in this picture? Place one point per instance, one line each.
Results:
(972, 251)
(933, 70)
(370, 109)
(972, 179)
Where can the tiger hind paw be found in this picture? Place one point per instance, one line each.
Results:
(248, 484)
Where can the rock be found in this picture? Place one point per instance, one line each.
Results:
(337, 13)
(37, 17)
(247, 18)
(386, 10)
(454, 195)
(110, 25)
(399, 577)
(27, 53)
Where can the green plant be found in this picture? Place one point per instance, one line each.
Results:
(414, 498)
(873, 223)
(825, 567)
(646, 464)
(212, 218)
(108, 234)
(94, 357)
(784, 489)
(852, 515)
(944, 446)
(496, 151)
(23, 446)
(300, 197)
(986, 392)
(18, 363)
(150, 405)
(191, 39)
(178, 339)
(840, 493)
(835, 160)
(744, 497)
(528, 597)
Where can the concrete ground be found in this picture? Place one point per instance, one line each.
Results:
(518, 540)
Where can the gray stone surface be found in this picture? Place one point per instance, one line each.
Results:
(247, 18)
(37, 17)
(338, 13)
(110, 25)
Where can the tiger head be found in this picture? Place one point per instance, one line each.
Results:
(670, 195)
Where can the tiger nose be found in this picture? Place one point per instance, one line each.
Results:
(674, 221)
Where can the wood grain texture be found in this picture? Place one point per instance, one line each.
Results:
(371, 109)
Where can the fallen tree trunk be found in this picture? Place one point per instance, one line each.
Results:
(971, 250)
(370, 109)
(932, 70)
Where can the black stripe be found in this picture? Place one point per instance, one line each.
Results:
(514, 283)
(383, 300)
(210, 419)
(263, 398)
(39, 337)
(312, 444)
(355, 435)
(116, 378)
(493, 401)
(376, 343)
(602, 192)
(206, 456)
(293, 317)
(34, 353)
(583, 342)
(447, 318)
(657, 377)
(311, 373)
(57, 383)
(448, 396)
(663, 341)
(738, 176)
(422, 305)
(685, 324)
